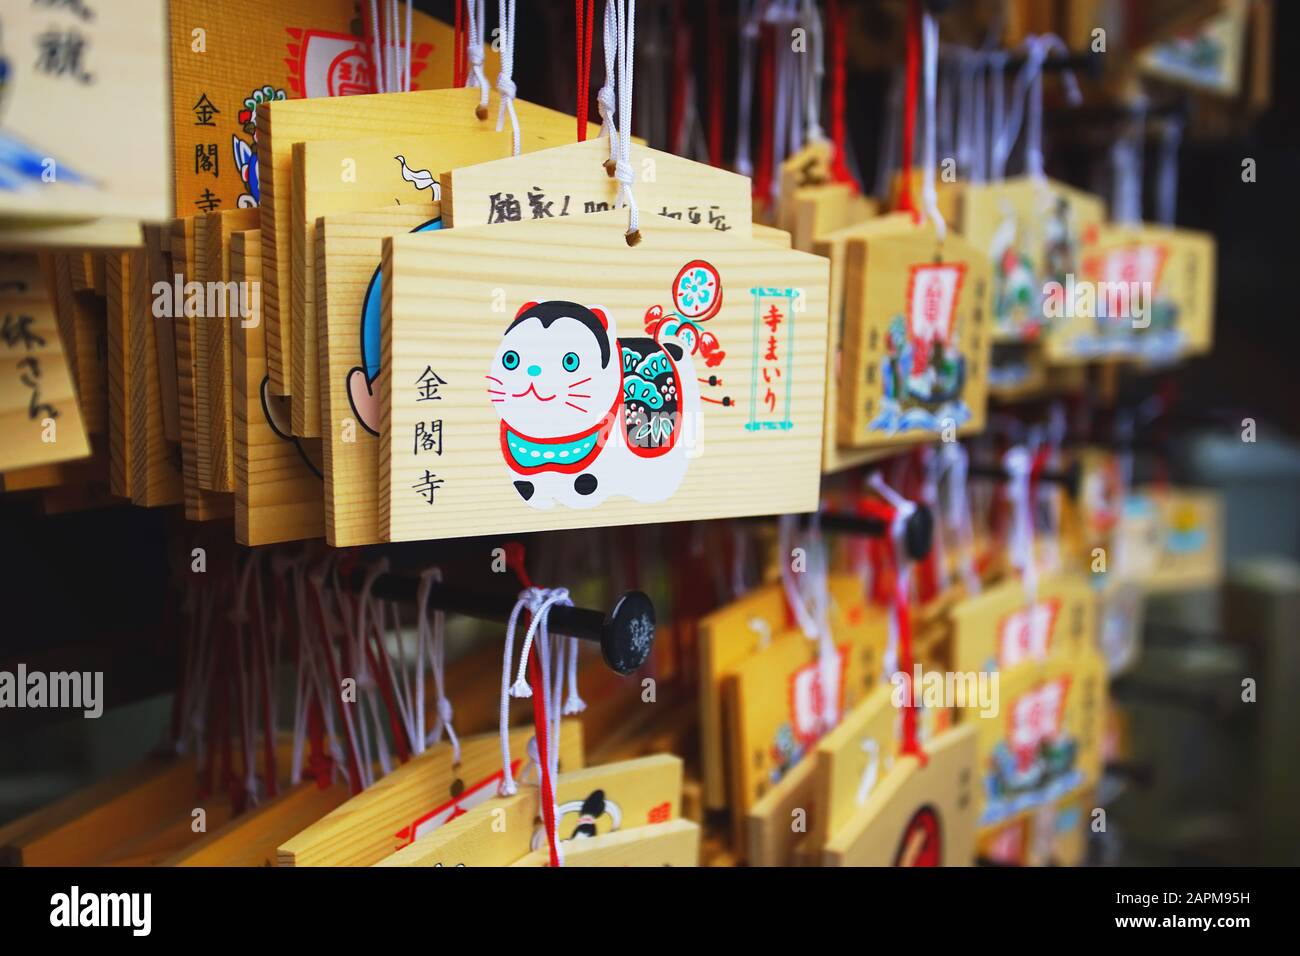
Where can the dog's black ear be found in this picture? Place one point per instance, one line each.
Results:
(673, 349)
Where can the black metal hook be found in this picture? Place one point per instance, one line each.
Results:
(625, 635)
(918, 536)
(1068, 477)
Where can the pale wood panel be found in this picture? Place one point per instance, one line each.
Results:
(676, 843)
(108, 233)
(251, 838)
(444, 289)
(884, 831)
(388, 815)
(158, 253)
(851, 760)
(570, 180)
(37, 384)
(878, 282)
(349, 250)
(1040, 225)
(299, 48)
(200, 505)
(423, 112)
(1180, 266)
(996, 629)
(822, 209)
(834, 246)
(1057, 706)
(220, 375)
(200, 346)
(154, 466)
(778, 824)
(89, 329)
(810, 166)
(82, 828)
(725, 638)
(62, 116)
(502, 830)
(352, 175)
(277, 492)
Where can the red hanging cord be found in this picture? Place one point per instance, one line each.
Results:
(354, 758)
(766, 98)
(583, 23)
(901, 606)
(837, 24)
(717, 86)
(515, 559)
(680, 67)
(905, 201)
(459, 61)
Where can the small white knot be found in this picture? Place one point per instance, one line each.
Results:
(1017, 462)
(573, 704)
(506, 87)
(476, 56)
(444, 710)
(623, 173)
(507, 788)
(605, 102)
(520, 688)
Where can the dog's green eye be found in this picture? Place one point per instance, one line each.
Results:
(510, 360)
(570, 361)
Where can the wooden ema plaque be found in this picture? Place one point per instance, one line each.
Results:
(142, 464)
(916, 346)
(349, 305)
(200, 505)
(819, 210)
(277, 477)
(570, 180)
(1145, 293)
(1045, 741)
(338, 176)
(676, 843)
(732, 634)
(996, 630)
(1034, 232)
(85, 122)
(834, 246)
(283, 123)
(773, 698)
(415, 799)
(630, 795)
(229, 58)
(917, 815)
(1171, 539)
(39, 410)
(620, 425)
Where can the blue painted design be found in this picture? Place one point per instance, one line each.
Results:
(372, 313)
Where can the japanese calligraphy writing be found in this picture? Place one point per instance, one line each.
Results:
(428, 437)
(427, 385)
(204, 111)
(769, 400)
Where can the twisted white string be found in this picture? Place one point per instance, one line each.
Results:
(749, 30)
(930, 67)
(435, 637)
(626, 36)
(505, 79)
(1018, 464)
(606, 103)
(474, 15)
(814, 72)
